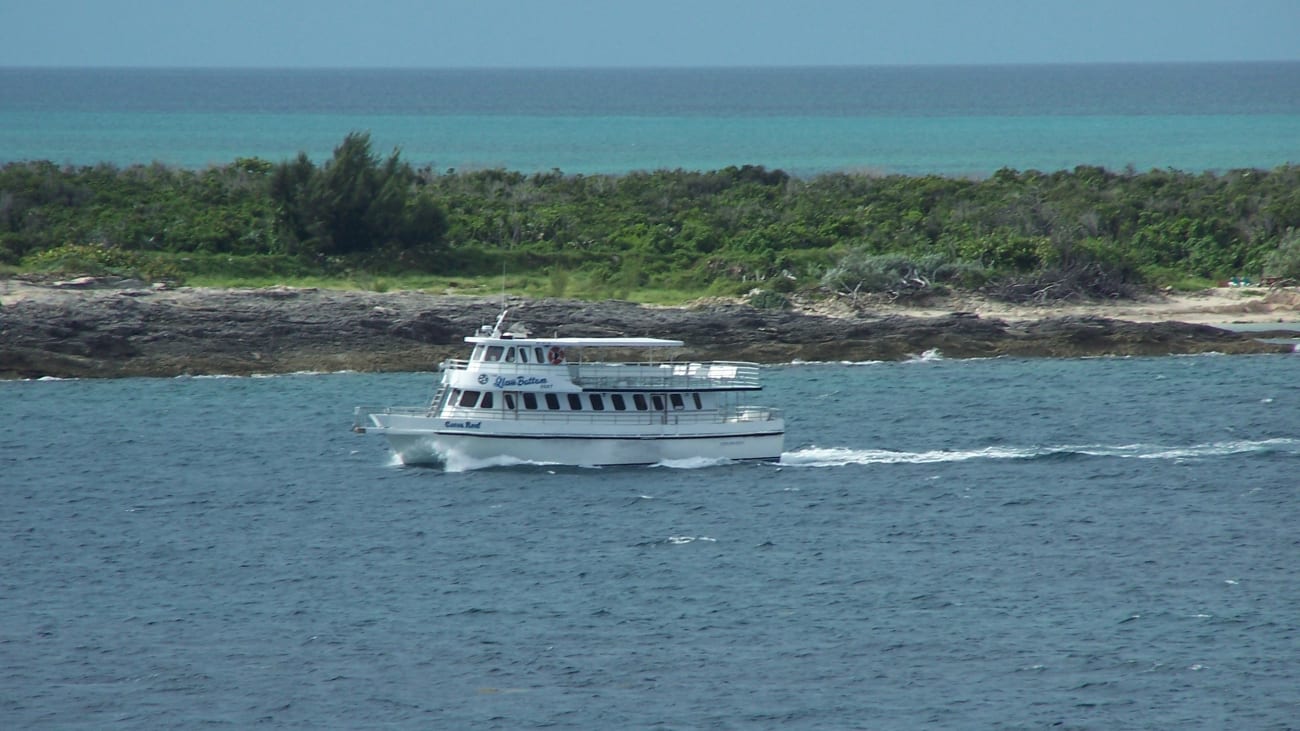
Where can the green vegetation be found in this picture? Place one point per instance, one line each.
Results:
(367, 221)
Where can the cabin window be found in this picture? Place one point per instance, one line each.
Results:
(676, 398)
(510, 401)
(486, 401)
(575, 403)
(619, 403)
(478, 352)
(530, 398)
(639, 401)
(552, 402)
(493, 353)
(455, 397)
(468, 399)
(597, 403)
(658, 402)
(510, 355)
(538, 357)
(523, 355)
(698, 405)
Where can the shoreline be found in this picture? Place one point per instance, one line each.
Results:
(91, 328)
(1219, 306)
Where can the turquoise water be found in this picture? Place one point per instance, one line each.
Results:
(958, 120)
(1099, 543)
(950, 145)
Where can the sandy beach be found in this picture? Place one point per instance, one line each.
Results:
(1217, 306)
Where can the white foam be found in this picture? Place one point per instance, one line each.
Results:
(930, 356)
(683, 540)
(843, 456)
(455, 462)
(692, 463)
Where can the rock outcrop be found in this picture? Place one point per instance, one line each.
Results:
(144, 332)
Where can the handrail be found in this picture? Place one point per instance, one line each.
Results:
(720, 416)
(709, 375)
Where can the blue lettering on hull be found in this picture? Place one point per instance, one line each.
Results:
(503, 382)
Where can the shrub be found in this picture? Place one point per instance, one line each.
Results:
(88, 259)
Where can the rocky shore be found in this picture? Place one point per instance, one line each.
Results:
(133, 330)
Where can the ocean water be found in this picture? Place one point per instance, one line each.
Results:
(1086, 544)
(913, 120)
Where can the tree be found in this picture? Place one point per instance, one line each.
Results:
(356, 203)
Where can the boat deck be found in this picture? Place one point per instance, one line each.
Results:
(710, 376)
(729, 415)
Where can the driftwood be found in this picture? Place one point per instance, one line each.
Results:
(1082, 282)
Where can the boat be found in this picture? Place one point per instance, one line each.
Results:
(519, 398)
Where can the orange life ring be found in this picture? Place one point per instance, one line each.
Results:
(555, 355)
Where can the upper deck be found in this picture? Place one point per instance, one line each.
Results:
(604, 376)
(504, 360)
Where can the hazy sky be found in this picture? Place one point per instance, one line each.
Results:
(566, 33)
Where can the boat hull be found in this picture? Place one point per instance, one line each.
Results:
(450, 448)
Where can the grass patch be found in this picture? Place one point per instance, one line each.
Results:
(578, 286)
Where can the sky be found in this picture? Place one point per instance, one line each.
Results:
(639, 33)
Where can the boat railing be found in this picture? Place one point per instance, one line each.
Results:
(668, 416)
(648, 375)
(361, 418)
(361, 415)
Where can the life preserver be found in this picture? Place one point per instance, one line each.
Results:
(555, 355)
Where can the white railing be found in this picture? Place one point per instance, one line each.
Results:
(361, 416)
(713, 375)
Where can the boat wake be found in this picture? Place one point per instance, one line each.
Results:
(843, 456)
(459, 463)
(693, 463)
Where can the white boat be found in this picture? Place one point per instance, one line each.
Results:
(541, 400)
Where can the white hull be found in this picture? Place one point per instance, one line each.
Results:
(428, 449)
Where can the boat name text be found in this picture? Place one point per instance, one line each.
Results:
(503, 382)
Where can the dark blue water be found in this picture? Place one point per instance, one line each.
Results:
(951, 120)
(1098, 544)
